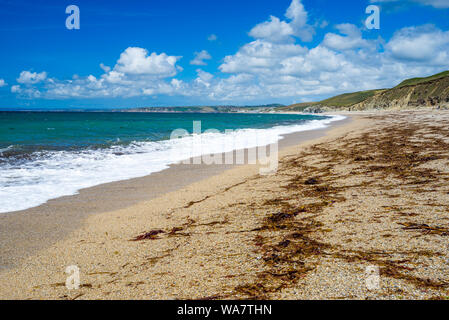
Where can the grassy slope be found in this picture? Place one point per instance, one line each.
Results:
(349, 99)
(415, 81)
(343, 100)
(298, 107)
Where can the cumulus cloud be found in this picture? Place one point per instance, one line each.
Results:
(27, 77)
(350, 38)
(275, 30)
(204, 77)
(135, 73)
(426, 44)
(26, 92)
(3, 83)
(136, 61)
(343, 62)
(259, 56)
(199, 58)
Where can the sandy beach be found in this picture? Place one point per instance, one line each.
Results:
(370, 192)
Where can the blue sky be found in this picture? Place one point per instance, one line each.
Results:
(158, 52)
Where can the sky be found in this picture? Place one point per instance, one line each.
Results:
(209, 52)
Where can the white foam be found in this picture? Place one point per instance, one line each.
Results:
(5, 149)
(56, 174)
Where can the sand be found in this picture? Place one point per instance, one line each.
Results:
(370, 193)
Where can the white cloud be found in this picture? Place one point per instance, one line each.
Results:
(317, 60)
(259, 56)
(212, 37)
(136, 73)
(299, 16)
(199, 58)
(275, 30)
(27, 92)
(136, 61)
(204, 77)
(351, 38)
(439, 4)
(343, 62)
(114, 77)
(27, 77)
(3, 83)
(426, 44)
(105, 68)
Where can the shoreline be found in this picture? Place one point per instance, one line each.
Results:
(156, 156)
(24, 233)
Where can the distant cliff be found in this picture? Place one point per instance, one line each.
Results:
(429, 92)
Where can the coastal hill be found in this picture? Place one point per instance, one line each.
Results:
(207, 109)
(428, 92)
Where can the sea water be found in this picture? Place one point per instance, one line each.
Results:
(45, 155)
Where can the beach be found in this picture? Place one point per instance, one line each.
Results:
(371, 192)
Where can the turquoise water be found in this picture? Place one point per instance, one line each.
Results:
(44, 155)
(33, 131)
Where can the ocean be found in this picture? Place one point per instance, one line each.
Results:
(45, 155)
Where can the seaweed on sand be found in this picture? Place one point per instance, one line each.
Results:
(385, 159)
(151, 235)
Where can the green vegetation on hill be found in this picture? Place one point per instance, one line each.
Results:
(343, 100)
(415, 81)
(348, 99)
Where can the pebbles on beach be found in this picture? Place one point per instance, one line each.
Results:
(372, 194)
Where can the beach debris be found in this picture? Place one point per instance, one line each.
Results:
(360, 158)
(279, 216)
(191, 203)
(311, 181)
(426, 229)
(175, 230)
(151, 235)
(77, 296)
(214, 297)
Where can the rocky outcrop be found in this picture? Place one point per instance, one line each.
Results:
(427, 94)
